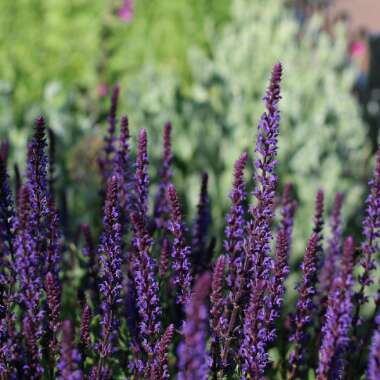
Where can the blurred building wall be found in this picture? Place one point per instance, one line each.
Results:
(363, 13)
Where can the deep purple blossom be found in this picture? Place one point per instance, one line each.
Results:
(53, 295)
(371, 233)
(29, 291)
(32, 369)
(160, 367)
(338, 319)
(92, 267)
(305, 306)
(192, 351)
(277, 285)
(37, 182)
(180, 250)
(69, 363)
(218, 320)
(142, 175)
(200, 228)
(373, 371)
(111, 276)
(164, 263)
(146, 285)
(7, 214)
(85, 338)
(233, 244)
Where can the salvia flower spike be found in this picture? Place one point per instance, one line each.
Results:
(144, 269)
(305, 306)
(69, 364)
(192, 351)
(373, 372)
(259, 235)
(338, 319)
(182, 276)
(111, 275)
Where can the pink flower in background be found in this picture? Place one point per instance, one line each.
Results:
(102, 89)
(125, 12)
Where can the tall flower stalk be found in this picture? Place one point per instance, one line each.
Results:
(192, 351)
(182, 276)
(338, 319)
(304, 308)
(111, 276)
(147, 289)
(258, 262)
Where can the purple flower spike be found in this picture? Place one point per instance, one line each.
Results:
(201, 227)
(53, 295)
(7, 215)
(161, 206)
(32, 369)
(233, 244)
(192, 352)
(216, 297)
(28, 264)
(70, 358)
(89, 251)
(164, 258)
(180, 250)
(280, 273)
(257, 245)
(7, 271)
(373, 372)
(371, 232)
(318, 220)
(160, 368)
(234, 230)
(111, 276)
(305, 306)
(218, 322)
(334, 248)
(259, 231)
(338, 319)
(37, 181)
(142, 176)
(85, 338)
(146, 285)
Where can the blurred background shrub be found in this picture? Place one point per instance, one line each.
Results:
(202, 64)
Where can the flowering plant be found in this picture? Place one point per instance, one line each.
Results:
(158, 300)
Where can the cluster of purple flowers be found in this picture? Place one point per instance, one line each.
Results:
(159, 299)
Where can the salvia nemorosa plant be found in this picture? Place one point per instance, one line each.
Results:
(162, 299)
